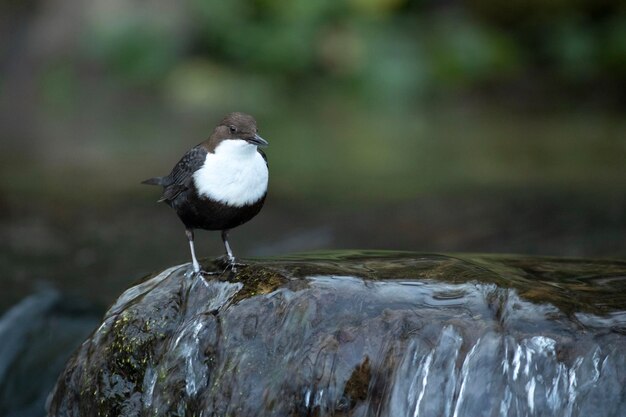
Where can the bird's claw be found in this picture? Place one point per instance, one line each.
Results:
(201, 272)
(229, 262)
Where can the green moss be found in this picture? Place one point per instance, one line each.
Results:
(257, 280)
(357, 386)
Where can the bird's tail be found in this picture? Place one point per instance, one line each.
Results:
(153, 181)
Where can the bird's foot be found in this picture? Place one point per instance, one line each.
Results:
(198, 271)
(229, 264)
(202, 273)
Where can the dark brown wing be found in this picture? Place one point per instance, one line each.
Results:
(181, 176)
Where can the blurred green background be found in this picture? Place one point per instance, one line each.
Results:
(394, 124)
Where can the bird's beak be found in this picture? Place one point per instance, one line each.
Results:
(258, 140)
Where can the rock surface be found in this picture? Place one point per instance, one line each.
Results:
(360, 334)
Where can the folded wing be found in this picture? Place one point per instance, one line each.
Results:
(181, 177)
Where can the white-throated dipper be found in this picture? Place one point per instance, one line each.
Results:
(220, 183)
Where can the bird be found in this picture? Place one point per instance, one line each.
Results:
(220, 183)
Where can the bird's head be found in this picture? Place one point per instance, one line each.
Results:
(237, 126)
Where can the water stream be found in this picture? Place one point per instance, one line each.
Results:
(361, 334)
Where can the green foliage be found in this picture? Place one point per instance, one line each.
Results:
(573, 47)
(465, 52)
(384, 50)
(262, 35)
(133, 50)
(614, 49)
(387, 50)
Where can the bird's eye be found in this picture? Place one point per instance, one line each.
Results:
(232, 129)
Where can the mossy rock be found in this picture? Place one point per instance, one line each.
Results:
(359, 334)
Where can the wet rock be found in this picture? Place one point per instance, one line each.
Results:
(360, 334)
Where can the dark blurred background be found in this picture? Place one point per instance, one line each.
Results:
(480, 126)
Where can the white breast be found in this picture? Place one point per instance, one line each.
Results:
(236, 174)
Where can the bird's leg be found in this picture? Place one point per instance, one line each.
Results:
(229, 252)
(196, 265)
(230, 258)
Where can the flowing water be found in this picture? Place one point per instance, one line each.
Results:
(361, 334)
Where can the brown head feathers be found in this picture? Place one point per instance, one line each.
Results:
(233, 126)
